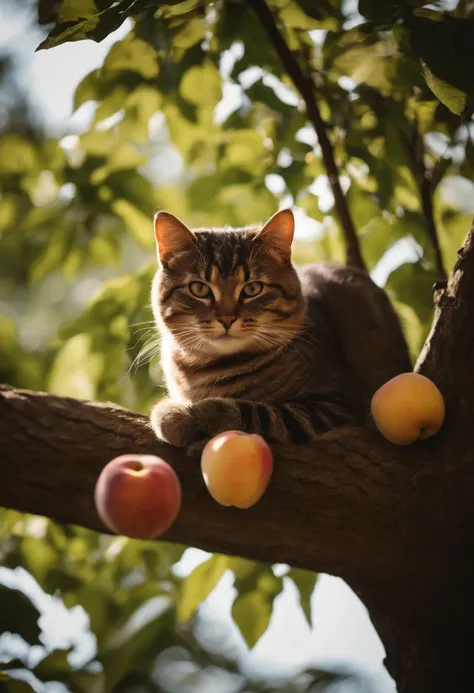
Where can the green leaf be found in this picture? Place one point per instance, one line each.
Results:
(415, 333)
(363, 205)
(305, 582)
(88, 89)
(93, 26)
(190, 33)
(137, 223)
(454, 99)
(58, 579)
(257, 587)
(19, 615)
(38, 557)
(139, 106)
(76, 369)
(453, 228)
(444, 45)
(201, 84)
(245, 150)
(9, 208)
(74, 10)
(131, 54)
(138, 649)
(259, 91)
(58, 245)
(131, 186)
(17, 154)
(9, 684)
(54, 667)
(178, 9)
(292, 15)
(412, 283)
(252, 611)
(123, 157)
(199, 585)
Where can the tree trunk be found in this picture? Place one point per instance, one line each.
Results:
(397, 523)
(433, 656)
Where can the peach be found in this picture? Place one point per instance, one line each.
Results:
(138, 496)
(408, 407)
(236, 468)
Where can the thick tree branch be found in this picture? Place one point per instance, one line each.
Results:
(318, 513)
(305, 86)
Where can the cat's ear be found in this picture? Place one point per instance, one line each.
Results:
(278, 232)
(172, 236)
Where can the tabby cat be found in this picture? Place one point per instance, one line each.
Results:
(251, 342)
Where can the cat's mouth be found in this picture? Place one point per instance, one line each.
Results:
(227, 343)
(226, 338)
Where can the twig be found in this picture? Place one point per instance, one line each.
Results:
(423, 180)
(305, 86)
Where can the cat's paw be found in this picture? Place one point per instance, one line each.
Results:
(182, 425)
(172, 423)
(214, 415)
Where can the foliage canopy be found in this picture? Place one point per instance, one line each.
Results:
(193, 111)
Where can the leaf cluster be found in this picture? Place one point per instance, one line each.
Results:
(192, 111)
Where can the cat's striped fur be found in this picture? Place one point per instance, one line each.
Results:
(301, 356)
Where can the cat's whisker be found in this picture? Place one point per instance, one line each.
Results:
(146, 353)
(145, 332)
(292, 332)
(149, 346)
(269, 340)
(145, 322)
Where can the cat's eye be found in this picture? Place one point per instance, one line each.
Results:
(200, 289)
(252, 289)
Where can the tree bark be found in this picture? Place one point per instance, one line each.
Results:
(319, 506)
(395, 523)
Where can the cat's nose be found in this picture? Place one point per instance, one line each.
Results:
(227, 321)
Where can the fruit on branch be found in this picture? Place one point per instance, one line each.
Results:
(138, 496)
(236, 468)
(408, 407)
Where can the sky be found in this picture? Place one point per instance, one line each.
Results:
(342, 629)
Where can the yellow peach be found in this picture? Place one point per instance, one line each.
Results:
(408, 407)
(236, 468)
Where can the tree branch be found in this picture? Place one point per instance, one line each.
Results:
(333, 506)
(448, 354)
(423, 179)
(305, 87)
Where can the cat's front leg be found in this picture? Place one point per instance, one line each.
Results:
(183, 424)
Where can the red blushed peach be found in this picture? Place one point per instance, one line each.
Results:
(408, 407)
(138, 496)
(236, 468)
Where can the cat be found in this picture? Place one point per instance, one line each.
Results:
(251, 342)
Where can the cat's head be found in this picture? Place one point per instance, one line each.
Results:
(221, 291)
